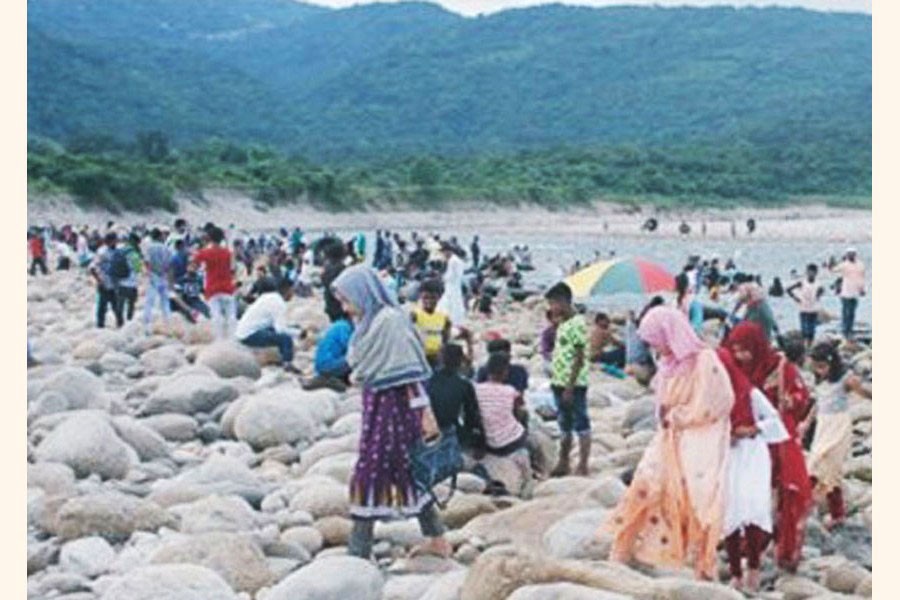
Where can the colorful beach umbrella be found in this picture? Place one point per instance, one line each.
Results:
(623, 275)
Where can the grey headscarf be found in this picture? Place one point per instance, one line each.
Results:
(385, 350)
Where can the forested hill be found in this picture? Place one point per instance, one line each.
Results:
(407, 79)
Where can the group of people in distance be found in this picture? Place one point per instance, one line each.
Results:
(726, 465)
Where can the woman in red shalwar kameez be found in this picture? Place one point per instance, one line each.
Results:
(780, 380)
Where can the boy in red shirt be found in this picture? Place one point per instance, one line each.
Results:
(38, 254)
(217, 262)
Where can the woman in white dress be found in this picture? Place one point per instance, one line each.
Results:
(451, 302)
(748, 514)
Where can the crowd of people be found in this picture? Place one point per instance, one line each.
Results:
(734, 408)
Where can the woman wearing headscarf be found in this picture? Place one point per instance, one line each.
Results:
(780, 381)
(748, 517)
(388, 360)
(675, 506)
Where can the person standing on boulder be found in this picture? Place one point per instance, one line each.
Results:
(159, 279)
(569, 379)
(755, 424)
(674, 509)
(38, 252)
(388, 360)
(101, 271)
(217, 263)
(778, 378)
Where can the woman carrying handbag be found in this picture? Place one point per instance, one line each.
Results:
(389, 362)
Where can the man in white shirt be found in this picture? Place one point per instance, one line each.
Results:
(853, 285)
(263, 324)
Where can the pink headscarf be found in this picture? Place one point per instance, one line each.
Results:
(667, 327)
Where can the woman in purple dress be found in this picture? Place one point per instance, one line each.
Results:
(388, 360)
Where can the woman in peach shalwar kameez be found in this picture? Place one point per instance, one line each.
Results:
(673, 511)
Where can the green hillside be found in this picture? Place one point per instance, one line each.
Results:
(780, 96)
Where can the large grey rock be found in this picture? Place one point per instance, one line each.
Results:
(321, 497)
(216, 514)
(173, 427)
(111, 515)
(87, 442)
(170, 582)
(113, 362)
(81, 388)
(685, 589)
(495, 576)
(41, 554)
(229, 359)
(235, 557)
(55, 479)
(148, 444)
(189, 394)
(306, 537)
(446, 587)
(163, 360)
(271, 418)
(563, 591)
(90, 556)
(575, 536)
(639, 412)
(407, 587)
(327, 579)
(219, 474)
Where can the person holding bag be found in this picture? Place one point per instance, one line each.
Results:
(388, 360)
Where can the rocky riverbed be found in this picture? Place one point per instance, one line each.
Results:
(171, 468)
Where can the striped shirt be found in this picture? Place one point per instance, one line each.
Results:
(495, 403)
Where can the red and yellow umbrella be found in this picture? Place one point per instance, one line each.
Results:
(623, 275)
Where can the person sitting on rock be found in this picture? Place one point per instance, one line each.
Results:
(330, 363)
(516, 375)
(602, 336)
(453, 399)
(263, 324)
(188, 298)
(502, 415)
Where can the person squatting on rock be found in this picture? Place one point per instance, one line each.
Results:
(387, 359)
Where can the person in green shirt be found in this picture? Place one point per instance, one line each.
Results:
(569, 379)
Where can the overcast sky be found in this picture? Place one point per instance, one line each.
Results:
(474, 7)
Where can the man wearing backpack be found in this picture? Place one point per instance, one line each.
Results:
(158, 263)
(126, 287)
(102, 272)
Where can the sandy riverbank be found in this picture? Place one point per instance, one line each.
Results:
(794, 222)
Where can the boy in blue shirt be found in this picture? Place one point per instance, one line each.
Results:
(331, 368)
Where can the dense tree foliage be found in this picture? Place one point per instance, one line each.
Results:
(135, 176)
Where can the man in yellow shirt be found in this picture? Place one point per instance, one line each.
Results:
(433, 325)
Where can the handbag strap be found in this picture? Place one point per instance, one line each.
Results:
(442, 504)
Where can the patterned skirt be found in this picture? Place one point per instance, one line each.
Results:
(382, 486)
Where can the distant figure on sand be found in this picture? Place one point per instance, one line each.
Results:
(853, 287)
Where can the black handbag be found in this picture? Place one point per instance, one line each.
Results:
(436, 461)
